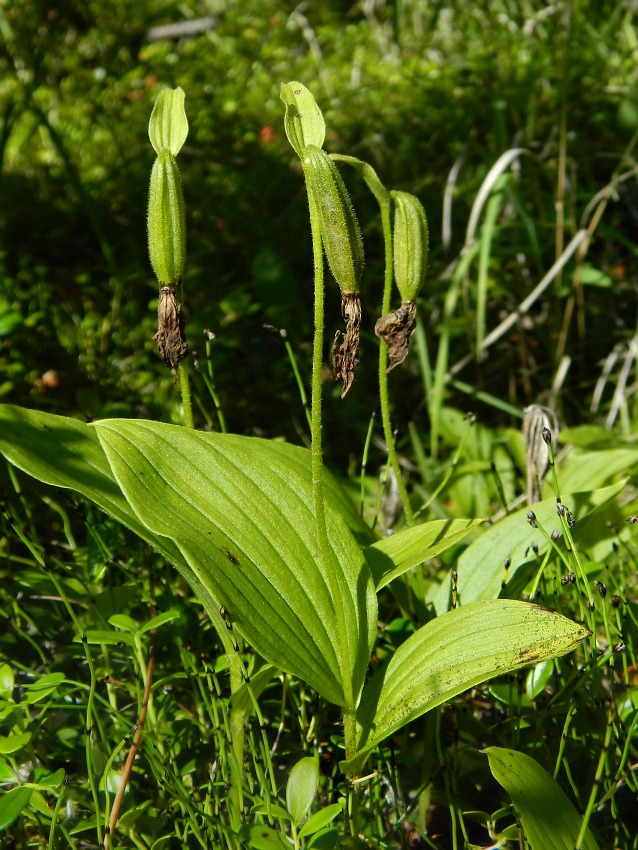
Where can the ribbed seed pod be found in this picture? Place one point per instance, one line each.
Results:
(166, 227)
(410, 244)
(340, 231)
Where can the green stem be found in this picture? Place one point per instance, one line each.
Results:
(383, 365)
(238, 741)
(317, 482)
(186, 394)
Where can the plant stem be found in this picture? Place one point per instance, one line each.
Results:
(317, 483)
(186, 394)
(383, 365)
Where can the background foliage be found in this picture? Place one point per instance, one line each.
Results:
(431, 94)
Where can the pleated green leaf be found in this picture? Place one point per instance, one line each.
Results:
(303, 121)
(235, 516)
(239, 509)
(168, 125)
(395, 555)
(453, 653)
(65, 452)
(546, 812)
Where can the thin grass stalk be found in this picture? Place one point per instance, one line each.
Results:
(485, 252)
(364, 461)
(186, 394)
(91, 714)
(435, 399)
(600, 771)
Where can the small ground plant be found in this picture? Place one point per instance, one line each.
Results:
(374, 669)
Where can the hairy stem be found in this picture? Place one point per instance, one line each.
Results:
(383, 365)
(317, 474)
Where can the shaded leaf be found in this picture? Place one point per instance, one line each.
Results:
(241, 700)
(262, 837)
(548, 817)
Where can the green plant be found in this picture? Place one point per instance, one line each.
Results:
(265, 537)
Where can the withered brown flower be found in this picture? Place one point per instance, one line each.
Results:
(345, 353)
(396, 328)
(170, 339)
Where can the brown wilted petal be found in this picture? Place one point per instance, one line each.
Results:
(170, 339)
(396, 328)
(345, 353)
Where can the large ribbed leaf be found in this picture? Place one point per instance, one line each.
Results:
(546, 812)
(67, 453)
(235, 516)
(453, 653)
(240, 511)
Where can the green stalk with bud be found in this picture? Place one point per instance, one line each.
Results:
(334, 231)
(343, 246)
(167, 130)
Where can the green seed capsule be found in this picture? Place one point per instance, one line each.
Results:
(340, 231)
(166, 227)
(410, 244)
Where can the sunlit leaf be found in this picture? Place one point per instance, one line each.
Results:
(235, 516)
(303, 121)
(45, 685)
(481, 567)
(320, 819)
(168, 125)
(160, 620)
(6, 681)
(455, 652)
(394, 555)
(13, 743)
(12, 803)
(106, 637)
(301, 788)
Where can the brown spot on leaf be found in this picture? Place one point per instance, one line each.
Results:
(170, 339)
(345, 348)
(234, 560)
(396, 328)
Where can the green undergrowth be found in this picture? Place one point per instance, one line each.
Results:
(365, 663)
